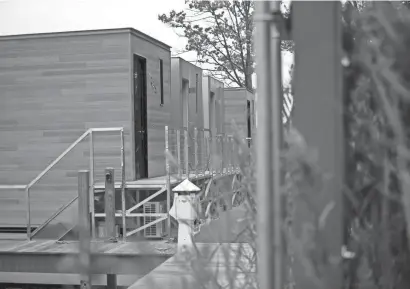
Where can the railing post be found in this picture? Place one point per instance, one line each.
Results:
(210, 155)
(109, 203)
(168, 180)
(28, 213)
(179, 153)
(186, 146)
(91, 193)
(196, 151)
(123, 207)
(230, 154)
(84, 228)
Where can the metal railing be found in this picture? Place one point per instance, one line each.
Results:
(190, 153)
(195, 152)
(89, 133)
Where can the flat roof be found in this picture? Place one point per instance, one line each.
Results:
(130, 30)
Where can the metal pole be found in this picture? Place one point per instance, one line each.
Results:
(84, 226)
(186, 153)
(196, 151)
(279, 203)
(91, 193)
(179, 153)
(168, 180)
(28, 213)
(123, 207)
(109, 201)
(265, 185)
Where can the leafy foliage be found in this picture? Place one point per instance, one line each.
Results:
(376, 43)
(221, 33)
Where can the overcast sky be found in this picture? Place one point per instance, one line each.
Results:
(36, 16)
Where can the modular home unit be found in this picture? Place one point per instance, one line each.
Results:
(186, 93)
(240, 109)
(56, 86)
(214, 105)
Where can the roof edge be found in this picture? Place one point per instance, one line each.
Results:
(130, 30)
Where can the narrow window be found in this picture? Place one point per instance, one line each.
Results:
(161, 73)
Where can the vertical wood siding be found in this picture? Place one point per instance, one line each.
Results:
(158, 116)
(52, 89)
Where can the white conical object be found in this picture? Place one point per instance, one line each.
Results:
(186, 186)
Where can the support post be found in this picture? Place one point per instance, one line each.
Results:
(123, 206)
(168, 182)
(28, 213)
(196, 151)
(318, 116)
(186, 152)
(91, 194)
(265, 188)
(210, 154)
(179, 153)
(84, 222)
(222, 153)
(111, 281)
(278, 198)
(109, 203)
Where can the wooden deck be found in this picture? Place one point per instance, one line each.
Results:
(231, 264)
(47, 256)
(223, 236)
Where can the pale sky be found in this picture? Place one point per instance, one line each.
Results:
(37, 16)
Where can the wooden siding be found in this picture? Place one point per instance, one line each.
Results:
(209, 85)
(157, 116)
(235, 109)
(53, 88)
(183, 70)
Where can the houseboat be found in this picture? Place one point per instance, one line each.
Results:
(56, 86)
(240, 112)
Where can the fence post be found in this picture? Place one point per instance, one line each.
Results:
(211, 154)
(196, 151)
(91, 193)
(179, 153)
(168, 183)
(230, 153)
(186, 152)
(28, 213)
(109, 203)
(123, 206)
(84, 228)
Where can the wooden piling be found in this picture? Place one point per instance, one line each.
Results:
(111, 281)
(109, 203)
(84, 224)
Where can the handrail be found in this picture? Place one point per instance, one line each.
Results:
(13, 187)
(63, 154)
(49, 167)
(58, 159)
(55, 215)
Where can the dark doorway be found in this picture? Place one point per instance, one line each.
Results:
(140, 117)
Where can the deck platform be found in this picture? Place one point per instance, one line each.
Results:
(224, 267)
(225, 236)
(48, 256)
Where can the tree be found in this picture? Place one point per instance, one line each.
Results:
(221, 33)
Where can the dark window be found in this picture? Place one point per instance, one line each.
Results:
(161, 73)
